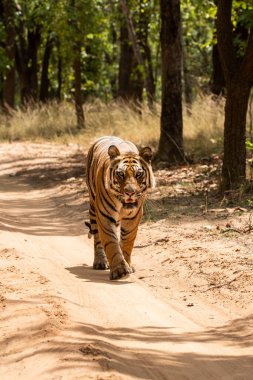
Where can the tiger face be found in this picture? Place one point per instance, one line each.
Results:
(129, 175)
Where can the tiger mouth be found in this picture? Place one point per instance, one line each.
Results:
(130, 205)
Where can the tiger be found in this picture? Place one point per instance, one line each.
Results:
(118, 177)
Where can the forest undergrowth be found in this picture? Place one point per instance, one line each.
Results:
(203, 124)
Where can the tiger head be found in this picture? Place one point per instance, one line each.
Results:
(130, 175)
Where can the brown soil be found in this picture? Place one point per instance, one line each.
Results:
(186, 313)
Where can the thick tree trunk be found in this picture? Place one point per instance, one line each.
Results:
(238, 72)
(78, 88)
(9, 83)
(125, 66)
(234, 161)
(171, 138)
(44, 82)
(27, 65)
(218, 83)
(130, 77)
(32, 66)
(9, 89)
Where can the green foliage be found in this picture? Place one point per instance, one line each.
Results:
(249, 144)
(95, 24)
(242, 19)
(198, 36)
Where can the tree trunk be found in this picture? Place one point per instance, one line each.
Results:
(170, 148)
(27, 64)
(76, 51)
(1, 91)
(234, 161)
(59, 75)
(151, 90)
(238, 72)
(137, 52)
(142, 34)
(187, 83)
(126, 91)
(218, 81)
(9, 82)
(44, 82)
(32, 64)
(78, 88)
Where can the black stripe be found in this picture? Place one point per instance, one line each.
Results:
(104, 198)
(106, 195)
(124, 232)
(135, 216)
(114, 209)
(112, 220)
(106, 231)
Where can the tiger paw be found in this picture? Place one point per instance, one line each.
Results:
(121, 270)
(101, 263)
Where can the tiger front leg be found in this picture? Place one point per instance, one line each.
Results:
(118, 265)
(127, 238)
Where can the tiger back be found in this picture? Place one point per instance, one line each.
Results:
(118, 177)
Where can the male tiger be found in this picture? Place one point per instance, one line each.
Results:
(118, 177)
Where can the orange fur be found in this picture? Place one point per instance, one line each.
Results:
(118, 178)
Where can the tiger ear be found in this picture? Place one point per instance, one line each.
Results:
(146, 153)
(113, 152)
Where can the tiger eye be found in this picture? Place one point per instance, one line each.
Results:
(139, 173)
(120, 173)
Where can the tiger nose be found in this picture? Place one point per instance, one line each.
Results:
(129, 194)
(129, 190)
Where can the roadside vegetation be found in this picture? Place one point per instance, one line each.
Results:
(57, 122)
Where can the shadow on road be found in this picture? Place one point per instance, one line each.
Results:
(99, 276)
(144, 352)
(41, 199)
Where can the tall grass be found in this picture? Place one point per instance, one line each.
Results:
(203, 129)
(44, 122)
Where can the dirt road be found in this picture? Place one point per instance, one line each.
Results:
(60, 319)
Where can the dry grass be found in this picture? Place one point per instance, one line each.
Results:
(203, 130)
(35, 123)
(57, 122)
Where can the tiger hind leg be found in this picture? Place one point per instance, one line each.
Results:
(100, 259)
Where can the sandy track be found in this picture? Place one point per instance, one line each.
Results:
(62, 320)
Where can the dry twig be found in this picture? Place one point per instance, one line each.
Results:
(221, 285)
